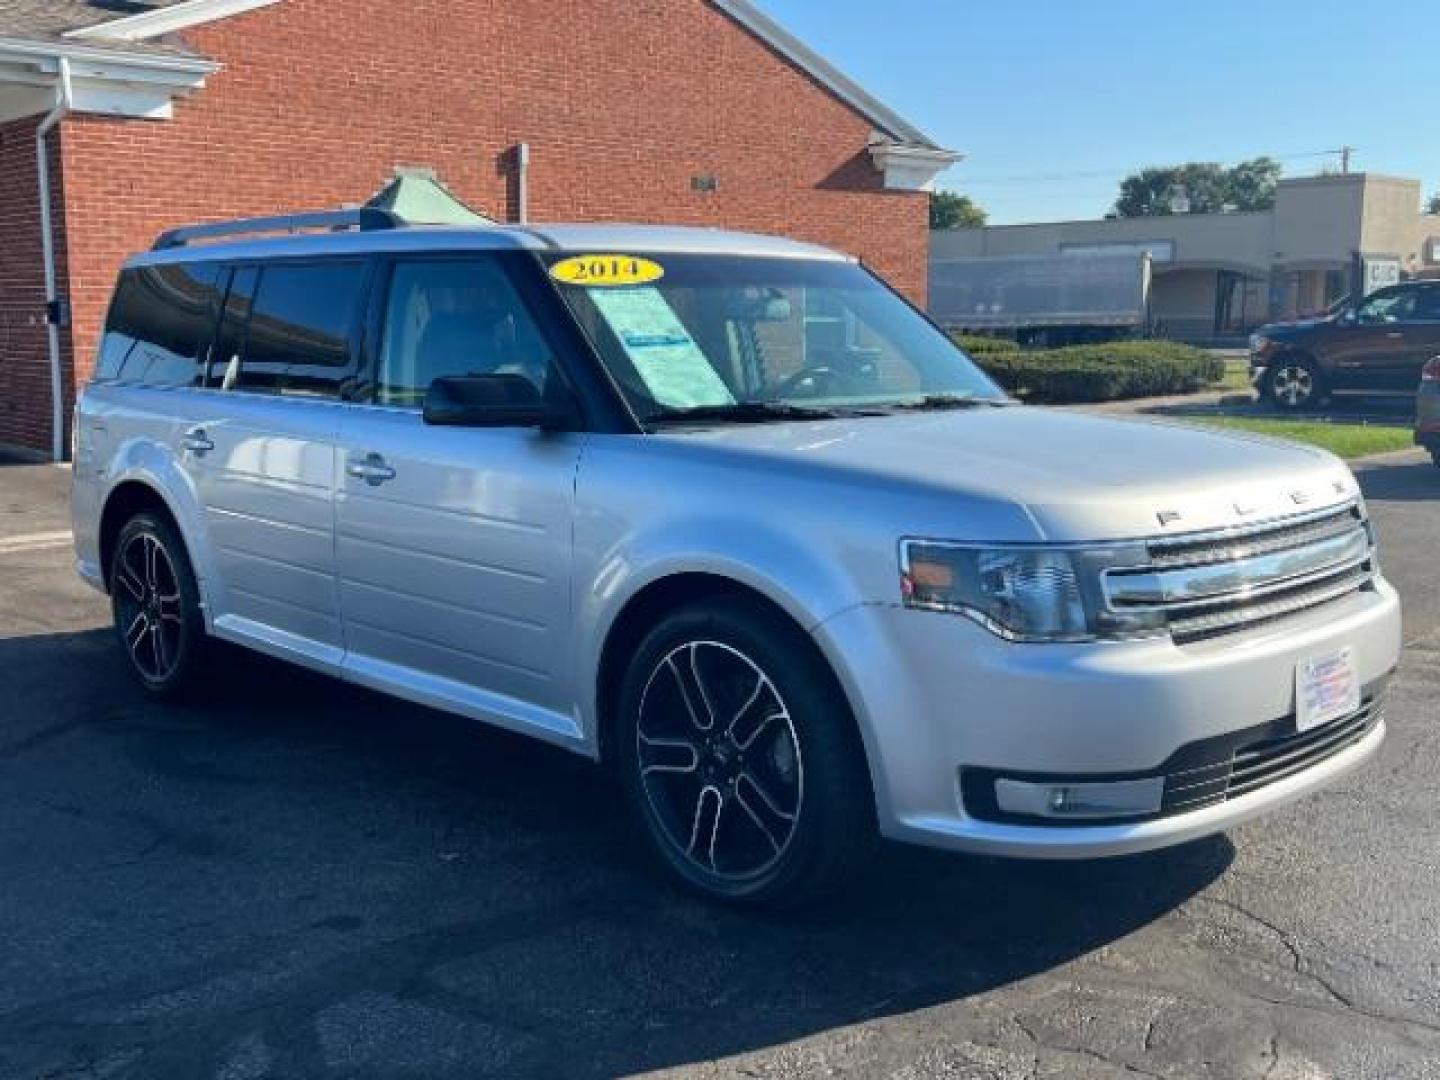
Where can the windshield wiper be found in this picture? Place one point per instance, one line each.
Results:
(747, 412)
(949, 401)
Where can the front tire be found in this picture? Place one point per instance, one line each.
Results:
(740, 757)
(156, 607)
(1294, 383)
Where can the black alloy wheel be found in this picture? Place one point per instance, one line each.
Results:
(156, 607)
(741, 758)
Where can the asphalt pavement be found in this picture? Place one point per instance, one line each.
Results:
(303, 879)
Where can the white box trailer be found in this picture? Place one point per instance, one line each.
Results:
(1044, 299)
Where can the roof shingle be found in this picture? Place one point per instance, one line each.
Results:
(46, 20)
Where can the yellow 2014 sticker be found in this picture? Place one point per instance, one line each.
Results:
(600, 271)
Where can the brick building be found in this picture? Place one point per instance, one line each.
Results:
(170, 111)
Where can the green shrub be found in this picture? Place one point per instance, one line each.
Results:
(1111, 372)
(978, 345)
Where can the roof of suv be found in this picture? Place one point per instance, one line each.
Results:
(570, 238)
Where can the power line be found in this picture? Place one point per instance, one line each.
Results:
(1126, 170)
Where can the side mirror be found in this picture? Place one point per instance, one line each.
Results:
(493, 401)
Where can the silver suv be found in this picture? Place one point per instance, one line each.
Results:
(728, 513)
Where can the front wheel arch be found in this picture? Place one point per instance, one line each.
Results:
(651, 604)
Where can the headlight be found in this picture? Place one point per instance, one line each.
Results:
(1030, 594)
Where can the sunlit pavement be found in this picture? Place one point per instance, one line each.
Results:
(300, 879)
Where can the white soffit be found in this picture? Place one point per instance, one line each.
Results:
(108, 81)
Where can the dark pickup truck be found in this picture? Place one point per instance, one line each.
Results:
(1377, 347)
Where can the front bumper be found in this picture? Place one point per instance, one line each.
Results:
(939, 698)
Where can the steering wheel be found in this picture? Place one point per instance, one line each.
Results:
(823, 379)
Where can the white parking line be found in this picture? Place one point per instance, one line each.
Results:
(14, 545)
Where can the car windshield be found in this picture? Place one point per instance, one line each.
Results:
(727, 338)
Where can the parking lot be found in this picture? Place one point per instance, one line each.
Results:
(303, 879)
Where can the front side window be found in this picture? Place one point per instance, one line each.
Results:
(734, 332)
(1387, 306)
(160, 325)
(297, 338)
(455, 317)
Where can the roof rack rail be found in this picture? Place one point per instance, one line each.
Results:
(365, 219)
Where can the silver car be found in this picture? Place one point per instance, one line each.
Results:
(728, 513)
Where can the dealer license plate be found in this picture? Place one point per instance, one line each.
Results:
(1326, 688)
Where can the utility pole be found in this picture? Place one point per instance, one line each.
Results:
(1345, 152)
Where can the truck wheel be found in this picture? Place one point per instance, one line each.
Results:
(156, 606)
(740, 757)
(1294, 383)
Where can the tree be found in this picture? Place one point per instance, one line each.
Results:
(1433, 206)
(1209, 188)
(950, 210)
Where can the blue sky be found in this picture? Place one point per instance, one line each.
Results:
(1053, 101)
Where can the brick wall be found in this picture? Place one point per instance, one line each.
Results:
(621, 101)
(25, 409)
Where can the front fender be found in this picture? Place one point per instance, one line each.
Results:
(767, 560)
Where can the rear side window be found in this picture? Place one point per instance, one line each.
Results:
(161, 323)
(1427, 304)
(297, 339)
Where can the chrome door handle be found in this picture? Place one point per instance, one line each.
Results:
(197, 442)
(1395, 334)
(372, 469)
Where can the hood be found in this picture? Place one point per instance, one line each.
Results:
(1294, 326)
(1075, 476)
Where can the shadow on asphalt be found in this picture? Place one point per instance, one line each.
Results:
(300, 855)
(1411, 482)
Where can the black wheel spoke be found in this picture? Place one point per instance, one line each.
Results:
(753, 717)
(152, 563)
(127, 577)
(170, 609)
(660, 755)
(136, 631)
(692, 688)
(705, 826)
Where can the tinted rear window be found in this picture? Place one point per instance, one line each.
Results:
(302, 320)
(161, 323)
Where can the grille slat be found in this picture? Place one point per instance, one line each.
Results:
(1264, 584)
(1264, 763)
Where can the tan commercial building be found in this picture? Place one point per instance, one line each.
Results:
(1219, 275)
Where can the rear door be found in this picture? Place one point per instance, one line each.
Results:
(261, 447)
(454, 544)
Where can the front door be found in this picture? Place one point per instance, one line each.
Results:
(1376, 348)
(261, 444)
(454, 544)
(1423, 333)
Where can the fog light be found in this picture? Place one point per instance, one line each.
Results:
(1115, 798)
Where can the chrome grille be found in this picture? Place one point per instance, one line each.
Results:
(1208, 584)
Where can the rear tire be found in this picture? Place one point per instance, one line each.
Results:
(1294, 384)
(740, 757)
(156, 607)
